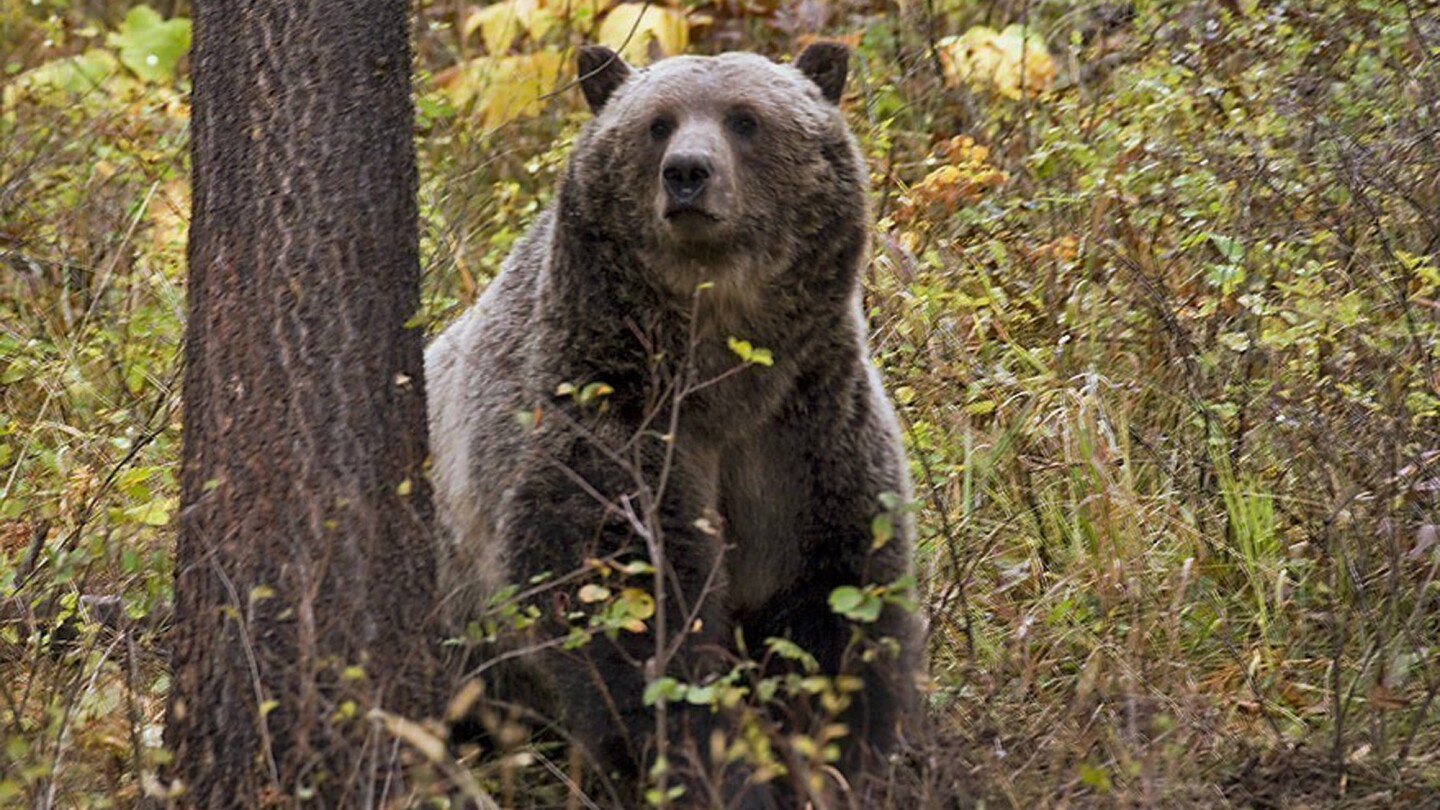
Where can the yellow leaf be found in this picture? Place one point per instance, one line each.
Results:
(971, 57)
(630, 28)
(503, 88)
(93, 70)
(639, 604)
(168, 216)
(502, 22)
(1011, 61)
(154, 513)
(590, 593)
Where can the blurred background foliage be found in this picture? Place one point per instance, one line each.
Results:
(1154, 286)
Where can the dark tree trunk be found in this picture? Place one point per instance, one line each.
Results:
(305, 574)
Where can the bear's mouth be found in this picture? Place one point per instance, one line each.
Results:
(689, 214)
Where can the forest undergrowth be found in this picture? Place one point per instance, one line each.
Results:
(1155, 287)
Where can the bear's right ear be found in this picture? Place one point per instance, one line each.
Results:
(601, 71)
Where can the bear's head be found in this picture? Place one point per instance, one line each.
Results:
(730, 169)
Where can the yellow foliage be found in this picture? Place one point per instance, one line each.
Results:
(1009, 61)
(502, 88)
(501, 23)
(168, 216)
(590, 593)
(630, 28)
(963, 177)
(1064, 249)
(72, 76)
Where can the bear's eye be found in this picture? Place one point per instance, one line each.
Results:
(742, 123)
(661, 128)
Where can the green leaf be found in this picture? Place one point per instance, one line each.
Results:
(150, 45)
(1228, 277)
(846, 598)
(1096, 777)
(593, 391)
(856, 604)
(635, 567)
(667, 688)
(654, 798)
(135, 378)
(1230, 248)
(785, 648)
(576, 639)
(882, 530)
(1235, 341)
(749, 353)
(868, 611)
(76, 75)
(700, 695)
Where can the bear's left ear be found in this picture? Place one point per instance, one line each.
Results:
(601, 71)
(825, 63)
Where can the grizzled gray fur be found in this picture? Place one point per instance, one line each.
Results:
(738, 174)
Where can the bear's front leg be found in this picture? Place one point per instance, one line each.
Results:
(591, 524)
(849, 468)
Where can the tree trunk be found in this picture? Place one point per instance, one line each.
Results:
(305, 576)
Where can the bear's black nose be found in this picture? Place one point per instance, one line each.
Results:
(685, 176)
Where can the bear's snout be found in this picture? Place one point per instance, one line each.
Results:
(686, 177)
(695, 180)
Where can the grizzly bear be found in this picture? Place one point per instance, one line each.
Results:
(672, 368)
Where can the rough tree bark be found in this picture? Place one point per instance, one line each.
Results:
(305, 579)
